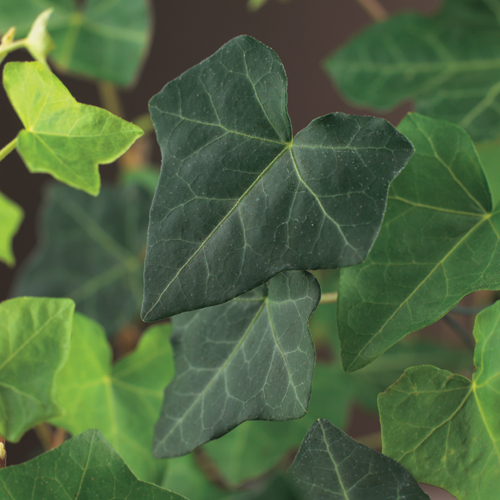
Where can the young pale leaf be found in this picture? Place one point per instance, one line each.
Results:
(239, 200)
(102, 39)
(11, 215)
(85, 467)
(38, 42)
(330, 464)
(249, 359)
(123, 401)
(63, 137)
(34, 343)
(444, 428)
(439, 242)
(91, 250)
(449, 64)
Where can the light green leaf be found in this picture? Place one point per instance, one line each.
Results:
(34, 343)
(38, 42)
(11, 216)
(449, 64)
(439, 242)
(239, 200)
(91, 250)
(330, 464)
(123, 401)
(446, 429)
(63, 137)
(102, 39)
(249, 359)
(85, 467)
(489, 154)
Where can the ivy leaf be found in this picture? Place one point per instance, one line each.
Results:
(448, 64)
(63, 137)
(444, 427)
(239, 200)
(123, 401)
(330, 464)
(38, 42)
(99, 39)
(34, 342)
(11, 215)
(249, 359)
(85, 466)
(91, 250)
(439, 215)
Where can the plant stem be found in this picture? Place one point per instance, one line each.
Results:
(375, 9)
(3, 453)
(44, 434)
(373, 440)
(110, 98)
(18, 44)
(329, 298)
(210, 470)
(5, 151)
(464, 335)
(58, 438)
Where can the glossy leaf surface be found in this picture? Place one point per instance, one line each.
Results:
(449, 64)
(443, 427)
(249, 359)
(98, 39)
(439, 242)
(239, 200)
(330, 464)
(91, 250)
(11, 216)
(85, 467)
(62, 137)
(122, 401)
(34, 343)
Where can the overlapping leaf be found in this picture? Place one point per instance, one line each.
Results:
(249, 359)
(91, 250)
(63, 137)
(330, 464)
(439, 241)
(11, 216)
(239, 200)
(446, 429)
(99, 39)
(34, 343)
(449, 64)
(84, 467)
(123, 401)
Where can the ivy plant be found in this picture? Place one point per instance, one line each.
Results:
(277, 264)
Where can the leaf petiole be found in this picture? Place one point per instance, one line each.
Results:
(6, 150)
(375, 9)
(329, 298)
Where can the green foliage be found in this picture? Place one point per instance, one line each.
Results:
(443, 427)
(92, 251)
(330, 461)
(439, 216)
(106, 40)
(63, 137)
(240, 200)
(449, 64)
(11, 215)
(34, 343)
(85, 467)
(122, 401)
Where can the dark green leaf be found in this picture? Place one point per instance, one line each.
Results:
(439, 242)
(91, 250)
(239, 200)
(278, 488)
(85, 467)
(448, 63)
(122, 401)
(63, 137)
(331, 465)
(489, 154)
(445, 428)
(34, 344)
(102, 39)
(249, 359)
(11, 216)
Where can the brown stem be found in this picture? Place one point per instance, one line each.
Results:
(375, 9)
(58, 438)
(373, 440)
(211, 471)
(44, 434)
(3, 453)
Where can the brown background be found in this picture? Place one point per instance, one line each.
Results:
(302, 32)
